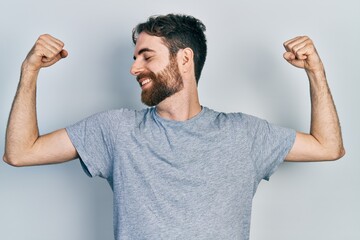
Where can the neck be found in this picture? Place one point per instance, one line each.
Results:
(181, 106)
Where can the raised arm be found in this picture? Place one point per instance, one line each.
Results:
(324, 141)
(24, 146)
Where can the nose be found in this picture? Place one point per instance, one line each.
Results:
(136, 68)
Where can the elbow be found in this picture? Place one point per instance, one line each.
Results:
(341, 153)
(336, 154)
(13, 161)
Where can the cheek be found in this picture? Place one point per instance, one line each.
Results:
(157, 65)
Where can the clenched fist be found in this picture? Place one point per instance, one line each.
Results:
(301, 53)
(46, 51)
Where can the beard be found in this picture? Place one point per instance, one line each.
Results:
(163, 84)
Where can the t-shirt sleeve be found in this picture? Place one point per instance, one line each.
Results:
(269, 146)
(94, 141)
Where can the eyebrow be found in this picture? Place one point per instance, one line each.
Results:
(143, 50)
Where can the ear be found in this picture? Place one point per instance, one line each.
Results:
(186, 60)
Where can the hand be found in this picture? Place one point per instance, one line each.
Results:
(301, 53)
(46, 51)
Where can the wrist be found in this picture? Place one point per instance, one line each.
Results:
(316, 73)
(26, 67)
(315, 69)
(28, 75)
(317, 78)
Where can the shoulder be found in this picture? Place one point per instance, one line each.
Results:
(122, 115)
(234, 117)
(112, 119)
(244, 124)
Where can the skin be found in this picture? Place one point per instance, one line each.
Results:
(24, 146)
(163, 85)
(184, 104)
(324, 142)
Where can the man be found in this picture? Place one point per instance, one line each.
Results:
(178, 170)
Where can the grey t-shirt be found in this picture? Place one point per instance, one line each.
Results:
(180, 180)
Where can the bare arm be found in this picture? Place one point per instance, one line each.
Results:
(24, 146)
(324, 141)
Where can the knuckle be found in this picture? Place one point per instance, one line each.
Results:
(308, 40)
(38, 44)
(45, 35)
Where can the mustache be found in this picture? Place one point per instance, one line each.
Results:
(147, 74)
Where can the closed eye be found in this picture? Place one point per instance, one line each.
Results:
(144, 51)
(148, 58)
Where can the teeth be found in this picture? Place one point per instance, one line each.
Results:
(145, 82)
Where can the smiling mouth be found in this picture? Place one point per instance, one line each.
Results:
(144, 82)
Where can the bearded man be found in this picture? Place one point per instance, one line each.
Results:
(178, 170)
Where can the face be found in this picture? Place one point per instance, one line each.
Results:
(156, 71)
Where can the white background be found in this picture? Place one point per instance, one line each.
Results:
(244, 72)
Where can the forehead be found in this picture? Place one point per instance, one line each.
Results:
(153, 43)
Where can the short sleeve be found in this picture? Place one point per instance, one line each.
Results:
(94, 141)
(269, 146)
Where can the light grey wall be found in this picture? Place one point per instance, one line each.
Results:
(244, 72)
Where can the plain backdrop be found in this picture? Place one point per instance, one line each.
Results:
(244, 72)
